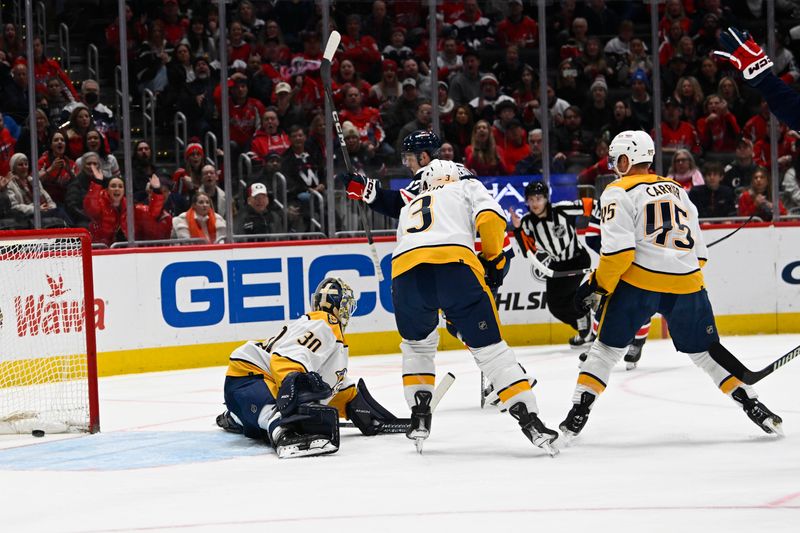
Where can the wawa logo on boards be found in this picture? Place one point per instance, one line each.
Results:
(54, 313)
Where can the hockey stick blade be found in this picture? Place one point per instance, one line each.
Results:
(729, 362)
(399, 425)
(550, 273)
(333, 43)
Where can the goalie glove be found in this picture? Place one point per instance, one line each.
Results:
(358, 187)
(299, 388)
(744, 54)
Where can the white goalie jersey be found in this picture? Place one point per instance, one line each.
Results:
(650, 236)
(312, 343)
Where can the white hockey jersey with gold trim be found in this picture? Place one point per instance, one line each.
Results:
(650, 236)
(439, 226)
(312, 343)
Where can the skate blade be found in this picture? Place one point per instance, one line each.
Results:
(418, 444)
(316, 447)
(550, 448)
(776, 428)
(630, 366)
(568, 437)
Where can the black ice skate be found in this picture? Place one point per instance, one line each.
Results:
(226, 422)
(420, 419)
(758, 413)
(291, 444)
(634, 354)
(577, 417)
(534, 428)
(584, 338)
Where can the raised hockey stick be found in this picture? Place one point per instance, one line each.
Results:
(401, 425)
(731, 234)
(325, 70)
(729, 362)
(549, 272)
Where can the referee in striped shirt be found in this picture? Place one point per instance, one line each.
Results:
(551, 228)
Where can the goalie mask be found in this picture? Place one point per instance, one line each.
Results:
(334, 296)
(438, 172)
(636, 145)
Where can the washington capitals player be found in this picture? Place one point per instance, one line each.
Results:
(291, 389)
(434, 267)
(650, 261)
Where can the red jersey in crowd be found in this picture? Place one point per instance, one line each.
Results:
(363, 52)
(368, 122)
(684, 136)
(55, 182)
(524, 33)
(719, 135)
(150, 222)
(7, 144)
(49, 68)
(264, 143)
(245, 120)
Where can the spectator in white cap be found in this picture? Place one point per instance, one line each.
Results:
(288, 112)
(483, 105)
(260, 216)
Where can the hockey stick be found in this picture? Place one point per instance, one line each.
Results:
(549, 272)
(401, 425)
(325, 70)
(729, 362)
(731, 234)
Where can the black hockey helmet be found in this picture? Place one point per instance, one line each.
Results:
(420, 141)
(334, 296)
(536, 187)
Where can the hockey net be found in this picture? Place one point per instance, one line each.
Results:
(48, 372)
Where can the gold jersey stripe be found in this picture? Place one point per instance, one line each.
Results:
(436, 255)
(342, 398)
(238, 368)
(729, 384)
(281, 366)
(663, 282)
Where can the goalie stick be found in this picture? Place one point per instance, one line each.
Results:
(401, 425)
(729, 362)
(325, 70)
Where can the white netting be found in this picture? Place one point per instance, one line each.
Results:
(43, 364)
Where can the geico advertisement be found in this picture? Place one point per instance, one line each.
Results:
(178, 297)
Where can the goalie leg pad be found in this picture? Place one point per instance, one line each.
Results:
(312, 430)
(366, 413)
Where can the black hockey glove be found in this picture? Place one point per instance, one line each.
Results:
(366, 413)
(299, 388)
(588, 296)
(494, 269)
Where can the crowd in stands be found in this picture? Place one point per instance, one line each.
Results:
(714, 127)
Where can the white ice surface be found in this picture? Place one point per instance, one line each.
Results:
(663, 450)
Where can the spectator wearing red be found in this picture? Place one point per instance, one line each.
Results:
(669, 44)
(175, 24)
(446, 104)
(245, 112)
(366, 119)
(459, 131)
(79, 124)
(718, 129)
(102, 116)
(505, 112)
(786, 148)
(757, 127)
(12, 44)
(451, 10)
(347, 76)
(673, 13)
(107, 210)
(449, 60)
(483, 156)
(269, 138)
(362, 50)
(755, 199)
(136, 34)
(729, 91)
(45, 68)
(7, 148)
(474, 29)
(95, 142)
(238, 47)
(188, 178)
(683, 169)
(516, 148)
(56, 168)
(525, 95)
(677, 133)
(517, 28)
(273, 33)
(589, 175)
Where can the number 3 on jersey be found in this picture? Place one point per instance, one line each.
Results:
(663, 218)
(421, 207)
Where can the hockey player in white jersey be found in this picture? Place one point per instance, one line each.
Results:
(434, 267)
(651, 257)
(291, 389)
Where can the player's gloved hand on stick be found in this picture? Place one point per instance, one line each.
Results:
(494, 269)
(588, 296)
(743, 52)
(359, 187)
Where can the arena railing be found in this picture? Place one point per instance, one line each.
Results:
(40, 23)
(211, 147)
(93, 63)
(158, 242)
(264, 237)
(149, 120)
(63, 46)
(181, 136)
